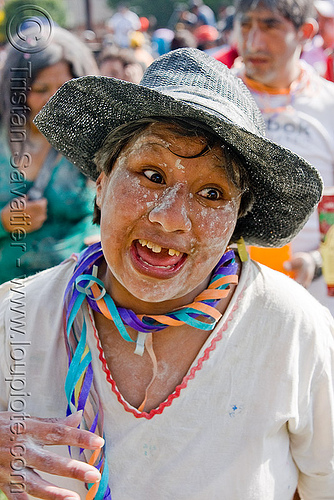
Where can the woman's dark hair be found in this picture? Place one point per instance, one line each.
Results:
(118, 138)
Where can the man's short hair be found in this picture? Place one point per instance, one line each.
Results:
(296, 11)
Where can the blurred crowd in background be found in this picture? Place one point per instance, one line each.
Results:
(126, 38)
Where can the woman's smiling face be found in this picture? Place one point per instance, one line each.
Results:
(165, 219)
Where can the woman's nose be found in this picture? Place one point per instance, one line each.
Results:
(171, 210)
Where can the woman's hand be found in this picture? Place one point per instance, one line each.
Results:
(22, 454)
(30, 218)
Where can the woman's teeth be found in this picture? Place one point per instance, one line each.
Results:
(157, 248)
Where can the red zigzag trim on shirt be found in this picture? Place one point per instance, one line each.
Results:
(183, 385)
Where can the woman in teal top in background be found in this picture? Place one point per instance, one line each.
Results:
(46, 203)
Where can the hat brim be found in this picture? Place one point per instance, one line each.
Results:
(78, 118)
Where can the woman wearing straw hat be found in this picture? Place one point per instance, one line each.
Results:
(208, 376)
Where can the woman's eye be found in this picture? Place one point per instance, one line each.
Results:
(154, 176)
(211, 194)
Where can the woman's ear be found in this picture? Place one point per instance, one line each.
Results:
(100, 182)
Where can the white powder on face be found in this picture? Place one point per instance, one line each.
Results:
(121, 161)
(142, 142)
(168, 197)
(164, 144)
(210, 227)
(167, 200)
(179, 165)
(213, 221)
(185, 216)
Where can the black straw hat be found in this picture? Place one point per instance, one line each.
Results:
(188, 83)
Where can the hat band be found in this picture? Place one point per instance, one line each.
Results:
(207, 102)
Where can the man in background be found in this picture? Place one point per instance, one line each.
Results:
(297, 105)
(122, 24)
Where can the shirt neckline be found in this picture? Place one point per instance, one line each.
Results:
(204, 354)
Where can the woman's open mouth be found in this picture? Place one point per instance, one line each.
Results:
(151, 259)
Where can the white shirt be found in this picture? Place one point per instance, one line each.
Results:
(254, 413)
